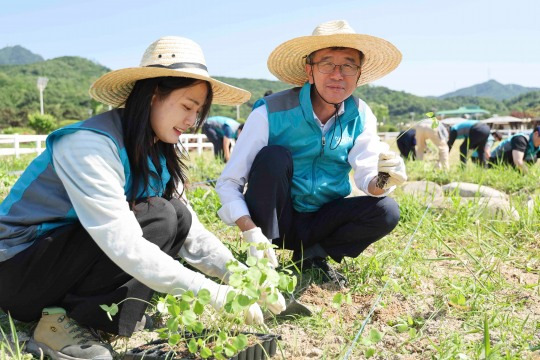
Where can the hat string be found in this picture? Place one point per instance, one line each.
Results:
(181, 65)
(336, 116)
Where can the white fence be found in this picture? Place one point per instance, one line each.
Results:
(189, 142)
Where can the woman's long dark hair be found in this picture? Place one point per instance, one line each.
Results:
(139, 136)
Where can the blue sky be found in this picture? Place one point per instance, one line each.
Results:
(446, 45)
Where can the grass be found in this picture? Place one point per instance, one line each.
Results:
(467, 288)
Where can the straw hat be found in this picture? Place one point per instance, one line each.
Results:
(167, 56)
(287, 61)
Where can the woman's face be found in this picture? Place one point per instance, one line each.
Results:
(173, 115)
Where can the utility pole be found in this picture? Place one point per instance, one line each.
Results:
(41, 84)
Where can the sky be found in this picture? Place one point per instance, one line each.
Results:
(446, 45)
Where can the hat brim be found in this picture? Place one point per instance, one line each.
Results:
(287, 61)
(114, 87)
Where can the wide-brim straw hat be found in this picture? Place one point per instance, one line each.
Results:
(287, 61)
(168, 56)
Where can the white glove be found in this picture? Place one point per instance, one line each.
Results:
(255, 237)
(276, 307)
(393, 165)
(218, 297)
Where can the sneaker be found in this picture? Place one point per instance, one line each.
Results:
(60, 337)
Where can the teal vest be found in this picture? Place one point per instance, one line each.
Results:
(38, 202)
(321, 167)
(506, 145)
(463, 128)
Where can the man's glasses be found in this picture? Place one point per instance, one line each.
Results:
(327, 67)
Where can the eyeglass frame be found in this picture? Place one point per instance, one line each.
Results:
(358, 67)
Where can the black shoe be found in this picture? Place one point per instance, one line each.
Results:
(320, 265)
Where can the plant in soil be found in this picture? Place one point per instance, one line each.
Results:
(192, 322)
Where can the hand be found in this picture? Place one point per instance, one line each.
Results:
(255, 237)
(393, 165)
(218, 297)
(275, 307)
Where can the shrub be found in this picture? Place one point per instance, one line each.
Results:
(43, 124)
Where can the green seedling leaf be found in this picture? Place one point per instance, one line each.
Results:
(176, 309)
(198, 308)
(251, 261)
(206, 352)
(412, 333)
(229, 350)
(161, 306)
(243, 300)
(172, 324)
(337, 300)
(430, 114)
(369, 353)
(188, 296)
(236, 280)
(222, 336)
(204, 296)
(192, 346)
(401, 327)
(198, 327)
(241, 341)
(230, 296)
(189, 317)
(174, 339)
(110, 310)
(375, 336)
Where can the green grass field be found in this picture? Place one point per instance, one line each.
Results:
(446, 284)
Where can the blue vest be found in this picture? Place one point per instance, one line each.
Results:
(38, 202)
(219, 122)
(506, 145)
(463, 128)
(321, 167)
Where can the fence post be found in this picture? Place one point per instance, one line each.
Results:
(16, 145)
(199, 144)
(38, 146)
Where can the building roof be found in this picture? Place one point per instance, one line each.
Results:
(463, 110)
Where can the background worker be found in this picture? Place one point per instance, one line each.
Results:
(518, 150)
(438, 136)
(474, 134)
(406, 142)
(220, 130)
(496, 136)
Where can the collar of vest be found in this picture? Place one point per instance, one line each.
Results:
(351, 104)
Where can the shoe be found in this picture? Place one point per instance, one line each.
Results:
(329, 273)
(60, 337)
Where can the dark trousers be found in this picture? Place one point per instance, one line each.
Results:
(66, 268)
(215, 139)
(478, 137)
(343, 227)
(406, 142)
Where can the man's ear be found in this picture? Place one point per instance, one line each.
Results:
(309, 73)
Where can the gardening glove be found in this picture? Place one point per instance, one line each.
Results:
(275, 307)
(218, 298)
(254, 237)
(393, 165)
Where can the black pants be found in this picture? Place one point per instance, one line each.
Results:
(478, 137)
(343, 227)
(66, 268)
(406, 142)
(215, 138)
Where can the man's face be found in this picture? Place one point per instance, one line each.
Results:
(334, 87)
(536, 139)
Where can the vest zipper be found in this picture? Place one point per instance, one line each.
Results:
(323, 140)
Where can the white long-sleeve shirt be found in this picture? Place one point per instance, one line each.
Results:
(89, 166)
(363, 158)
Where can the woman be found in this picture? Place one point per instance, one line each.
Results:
(98, 216)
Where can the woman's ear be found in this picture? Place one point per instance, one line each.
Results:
(152, 100)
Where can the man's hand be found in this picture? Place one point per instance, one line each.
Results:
(393, 165)
(218, 298)
(275, 306)
(255, 237)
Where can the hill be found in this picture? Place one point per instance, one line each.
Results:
(66, 96)
(491, 89)
(17, 55)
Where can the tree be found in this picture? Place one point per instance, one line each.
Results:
(42, 124)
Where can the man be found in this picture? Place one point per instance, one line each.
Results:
(297, 150)
(474, 134)
(220, 130)
(496, 136)
(518, 149)
(406, 142)
(438, 136)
